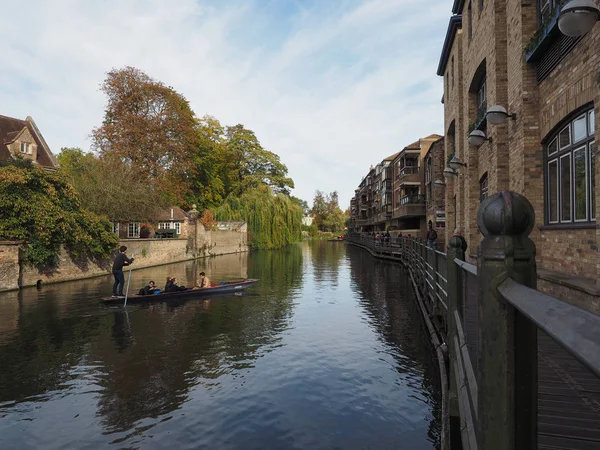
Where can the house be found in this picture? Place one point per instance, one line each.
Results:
(307, 220)
(171, 222)
(521, 113)
(23, 138)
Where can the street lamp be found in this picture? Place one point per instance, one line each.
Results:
(578, 17)
(477, 138)
(456, 163)
(449, 173)
(497, 114)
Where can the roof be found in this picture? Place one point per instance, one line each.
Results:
(11, 128)
(458, 6)
(436, 145)
(453, 26)
(178, 214)
(391, 157)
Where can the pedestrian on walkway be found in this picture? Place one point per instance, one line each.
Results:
(431, 236)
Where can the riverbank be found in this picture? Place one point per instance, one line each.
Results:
(15, 273)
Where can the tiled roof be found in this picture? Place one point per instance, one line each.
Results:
(10, 128)
(165, 214)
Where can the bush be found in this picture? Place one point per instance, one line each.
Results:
(41, 208)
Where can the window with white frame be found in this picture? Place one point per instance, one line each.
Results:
(115, 227)
(483, 187)
(26, 148)
(133, 230)
(570, 172)
(170, 226)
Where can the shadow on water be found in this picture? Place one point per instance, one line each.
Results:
(387, 295)
(288, 363)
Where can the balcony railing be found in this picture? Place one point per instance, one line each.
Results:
(411, 199)
(408, 170)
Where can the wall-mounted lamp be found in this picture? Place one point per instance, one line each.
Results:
(497, 114)
(477, 138)
(578, 17)
(439, 184)
(450, 173)
(456, 163)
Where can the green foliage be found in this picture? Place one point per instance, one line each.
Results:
(274, 220)
(327, 213)
(110, 186)
(43, 209)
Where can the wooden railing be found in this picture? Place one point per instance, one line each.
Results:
(489, 316)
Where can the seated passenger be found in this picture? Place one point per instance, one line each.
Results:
(177, 287)
(169, 286)
(203, 282)
(150, 288)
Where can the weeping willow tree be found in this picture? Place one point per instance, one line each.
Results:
(274, 220)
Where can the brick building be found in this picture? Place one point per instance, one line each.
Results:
(393, 194)
(435, 204)
(511, 54)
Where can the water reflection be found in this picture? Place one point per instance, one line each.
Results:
(388, 298)
(321, 353)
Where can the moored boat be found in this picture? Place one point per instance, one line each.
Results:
(224, 287)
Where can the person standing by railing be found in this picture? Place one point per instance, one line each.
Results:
(431, 236)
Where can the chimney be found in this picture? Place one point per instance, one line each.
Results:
(171, 213)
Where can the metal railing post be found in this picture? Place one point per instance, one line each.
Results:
(507, 378)
(456, 250)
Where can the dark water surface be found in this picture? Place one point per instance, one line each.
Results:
(325, 352)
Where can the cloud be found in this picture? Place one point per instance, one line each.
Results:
(331, 87)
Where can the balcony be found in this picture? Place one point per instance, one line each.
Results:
(411, 206)
(409, 174)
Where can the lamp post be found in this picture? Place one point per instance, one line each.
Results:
(578, 17)
(496, 115)
(477, 138)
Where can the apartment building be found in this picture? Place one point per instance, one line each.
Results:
(521, 99)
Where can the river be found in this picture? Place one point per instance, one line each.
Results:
(326, 351)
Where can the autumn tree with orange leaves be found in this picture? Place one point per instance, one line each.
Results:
(151, 126)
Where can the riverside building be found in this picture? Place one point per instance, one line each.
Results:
(521, 113)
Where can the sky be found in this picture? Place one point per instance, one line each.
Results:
(331, 86)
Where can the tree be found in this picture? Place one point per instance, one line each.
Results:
(327, 213)
(248, 165)
(150, 126)
(303, 204)
(274, 220)
(110, 186)
(43, 209)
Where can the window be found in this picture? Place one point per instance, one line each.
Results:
(545, 8)
(170, 226)
(429, 180)
(115, 228)
(470, 16)
(453, 72)
(483, 187)
(481, 2)
(447, 82)
(133, 230)
(26, 148)
(481, 100)
(570, 173)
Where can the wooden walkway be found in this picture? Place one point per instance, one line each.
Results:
(568, 400)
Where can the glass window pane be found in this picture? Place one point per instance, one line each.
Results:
(553, 191)
(565, 188)
(553, 147)
(579, 129)
(564, 138)
(592, 122)
(580, 184)
(592, 172)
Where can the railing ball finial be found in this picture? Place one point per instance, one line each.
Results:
(458, 242)
(505, 213)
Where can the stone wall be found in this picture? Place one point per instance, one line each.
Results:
(147, 253)
(9, 265)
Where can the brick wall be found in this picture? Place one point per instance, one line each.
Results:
(9, 265)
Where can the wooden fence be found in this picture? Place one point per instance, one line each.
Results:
(489, 315)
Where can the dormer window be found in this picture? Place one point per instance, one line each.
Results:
(26, 148)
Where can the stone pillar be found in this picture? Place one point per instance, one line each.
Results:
(507, 353)
(193, 231)
(456, 250)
